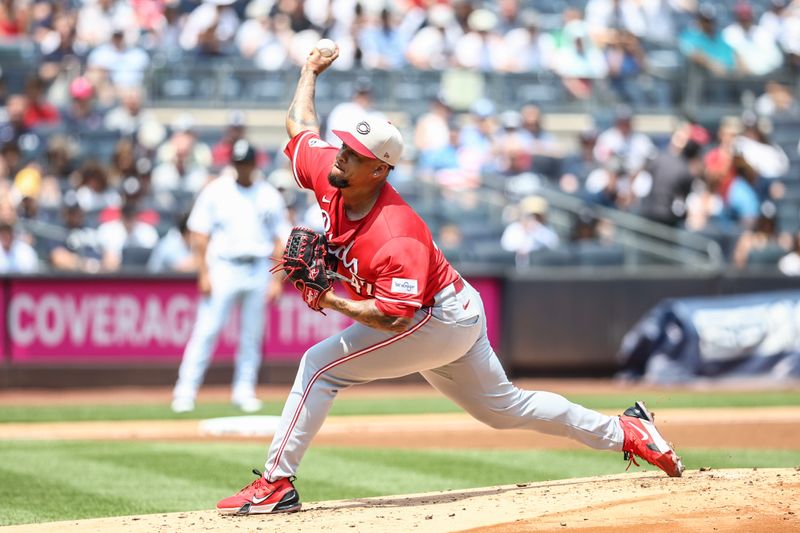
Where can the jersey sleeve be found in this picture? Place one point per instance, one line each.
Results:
(311, 159)
(402, 267)
(201, 219)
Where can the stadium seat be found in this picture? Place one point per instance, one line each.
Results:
(767, 256)
(135, 257)
(591, 253)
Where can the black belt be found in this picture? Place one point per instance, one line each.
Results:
(243, 260)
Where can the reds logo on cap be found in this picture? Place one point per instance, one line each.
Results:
(376, 138)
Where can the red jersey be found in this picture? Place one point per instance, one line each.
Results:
(388, 255)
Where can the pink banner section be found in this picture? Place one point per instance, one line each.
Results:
(108, 321)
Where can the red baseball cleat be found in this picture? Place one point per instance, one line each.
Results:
(262, 496)
(642, 439)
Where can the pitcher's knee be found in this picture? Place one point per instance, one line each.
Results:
(502, 422)
(313, 367)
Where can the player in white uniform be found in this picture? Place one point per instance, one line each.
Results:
(238, 222)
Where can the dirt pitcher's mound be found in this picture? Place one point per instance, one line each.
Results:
(764, 500)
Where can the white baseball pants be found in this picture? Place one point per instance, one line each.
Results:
(449, 347)
(231, 283)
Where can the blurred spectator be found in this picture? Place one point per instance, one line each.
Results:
(382, 43)
(38, 111)
(772, 20)
(578, 61)
(508, 15)
(14, 126)
(99, 19)
(755, 47)
(789, 264)
(25, 192)
(577, 166)
(705, 47)
(670, 176)
(236, 129)
(59, 158)
(512, 145)
(124, 65)
(448, 166)
(292, 10)
(123, 162)
(210, 28)
(183, 159)
(530, 232)
(431, 48)
(129, 116)
(360, 105)
(790, 34)
(777, 101)
(79, 250)
(10, 159)
(609, 185)
(482, 48)
(528, 49)
(709, 56)
(541, 141)
(584, 227)
(660, 20)
(183, 138)
(767, 159)
(16, 256)
(727, 202)
(257, 38)
(605, 17)
(14, 16)
(132, 192)
(128, 231)
(431, 131)
(59, 45)
(626, 65)
(94, 192)
(82, 115)
(477, 136)
(761, 244)
(166, 33)
(622, 140)
(173, 252)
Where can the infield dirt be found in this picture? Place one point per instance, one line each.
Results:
(757, 501)
(746, 500)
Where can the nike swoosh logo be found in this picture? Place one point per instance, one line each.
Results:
(643, 433)
(466, 304)
(325, 200)
(259, 500)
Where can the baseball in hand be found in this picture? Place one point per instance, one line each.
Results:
(326, 47)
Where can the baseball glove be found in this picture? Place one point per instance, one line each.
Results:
(307, 265)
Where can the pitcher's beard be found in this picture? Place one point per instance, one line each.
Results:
(339, 183)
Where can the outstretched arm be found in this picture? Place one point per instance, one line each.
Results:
(302, 114)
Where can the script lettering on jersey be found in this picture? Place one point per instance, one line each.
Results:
(341, 254)
(360, 286)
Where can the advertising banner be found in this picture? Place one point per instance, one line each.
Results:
(739, 336)
(125, 320)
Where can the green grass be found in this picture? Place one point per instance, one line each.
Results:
(56, 480)
(381, 406)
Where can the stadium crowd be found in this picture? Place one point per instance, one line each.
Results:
(99, 212)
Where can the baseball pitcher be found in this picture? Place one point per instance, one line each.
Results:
(413, 311)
